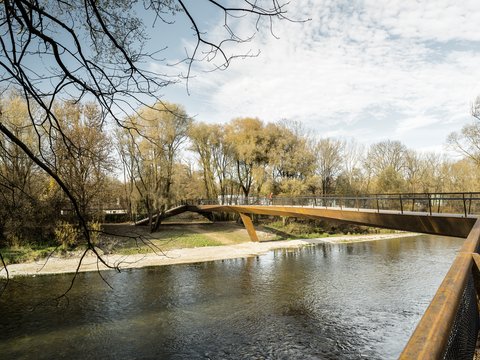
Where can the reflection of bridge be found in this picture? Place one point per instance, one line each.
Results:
(450, 326)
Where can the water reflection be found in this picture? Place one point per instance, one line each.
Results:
(326, 301)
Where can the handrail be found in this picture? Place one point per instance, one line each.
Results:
(466, 203)
(432, 334)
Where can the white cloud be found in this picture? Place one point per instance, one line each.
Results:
(356, 64)
(410, 124)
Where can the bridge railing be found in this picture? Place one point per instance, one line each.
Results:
(449, 328)
(465, 203)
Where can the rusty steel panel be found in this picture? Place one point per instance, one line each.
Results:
(437, 224)
(247, 222)
(432, 333)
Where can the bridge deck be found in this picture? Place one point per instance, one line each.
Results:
(169, 213)
(422, 222)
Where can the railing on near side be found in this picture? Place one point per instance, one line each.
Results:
(466, 203)
(449, 328)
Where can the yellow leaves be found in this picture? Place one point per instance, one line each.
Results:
(163, 121)
(247, 136)
(15, 114)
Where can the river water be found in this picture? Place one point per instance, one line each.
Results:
(328, 301)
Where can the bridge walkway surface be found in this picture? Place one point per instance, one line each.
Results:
(168, 213)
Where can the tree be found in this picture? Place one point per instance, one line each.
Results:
(467, 141)
(187, 183)
(126, 148)
(329, 162)
(384, 154)
(389, 181)
(290, 153)
(249, 143)
(99, 51)
(414, 166)
(203, 137)
(84, 161)
(222, 158)
(352, 175)
(149, 147)
(28, 202)
(385, 162)
(433, 175)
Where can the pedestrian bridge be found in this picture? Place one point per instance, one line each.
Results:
(449, 328)
(448, 214)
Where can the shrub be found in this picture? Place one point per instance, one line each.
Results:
(66, 234)
(94, 228)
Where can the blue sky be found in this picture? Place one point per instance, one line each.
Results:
(369, 70)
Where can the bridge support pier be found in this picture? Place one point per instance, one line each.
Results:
(247, 222)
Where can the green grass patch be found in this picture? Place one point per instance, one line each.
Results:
(190, 241)
(25, 253)
(167, 242)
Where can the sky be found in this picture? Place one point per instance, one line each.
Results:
(370, 70)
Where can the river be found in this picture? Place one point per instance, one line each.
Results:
(328, 301)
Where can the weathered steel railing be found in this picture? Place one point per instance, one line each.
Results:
(467, 203)
(449, 327)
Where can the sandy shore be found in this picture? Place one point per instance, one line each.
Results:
(56, 265)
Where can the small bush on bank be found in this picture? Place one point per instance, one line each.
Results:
(66, 235)
(95, 228)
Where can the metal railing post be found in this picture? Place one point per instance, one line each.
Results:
(470, 204)
(429, 204)
(401, 204)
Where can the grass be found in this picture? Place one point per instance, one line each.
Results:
(171, 237)
(25, 253)
(166, 243)
(168, 238)
(191, 240)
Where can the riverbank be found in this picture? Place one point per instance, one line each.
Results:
(56, 264)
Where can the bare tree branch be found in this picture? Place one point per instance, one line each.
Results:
(52, 51)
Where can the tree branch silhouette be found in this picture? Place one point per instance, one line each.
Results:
(96, 51)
